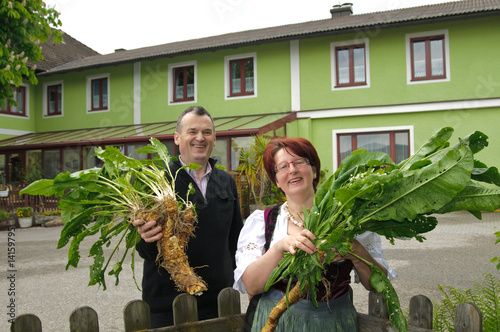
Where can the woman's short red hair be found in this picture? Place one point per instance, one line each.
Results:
(298, 146)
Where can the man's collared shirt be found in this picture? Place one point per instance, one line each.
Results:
(201, 183)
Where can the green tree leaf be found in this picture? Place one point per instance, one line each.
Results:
(25, 26)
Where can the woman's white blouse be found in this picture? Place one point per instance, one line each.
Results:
(252, 240)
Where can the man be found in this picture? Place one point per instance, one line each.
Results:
(211, 251)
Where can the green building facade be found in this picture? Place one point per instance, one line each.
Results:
(383, 81)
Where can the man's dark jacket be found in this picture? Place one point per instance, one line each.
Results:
(211, 251)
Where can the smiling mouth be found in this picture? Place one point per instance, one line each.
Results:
(294, 181)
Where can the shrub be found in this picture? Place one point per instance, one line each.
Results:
(485, 296)
(4, 215)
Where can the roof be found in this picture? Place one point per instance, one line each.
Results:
(341, 24)
(224, 126)
(68, 50)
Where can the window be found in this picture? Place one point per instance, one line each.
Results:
(71, 160)
(350, 64)
(3, 174)
(132, 148)
(14, 168)
(396, 143)
(182, 82)
(20, 98)
(220, 152)
(51, 163)
(90, 160)
(34, 164)
(238, 144)
(53, 99)
(241, 73)
(428, 58)
(241, 77)
(98, 93)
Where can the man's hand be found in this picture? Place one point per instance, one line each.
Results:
(148, 230)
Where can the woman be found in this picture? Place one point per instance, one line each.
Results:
(293, 165)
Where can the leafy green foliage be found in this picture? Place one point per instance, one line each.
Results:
(25, 26)
(4, 214)
(105, 200)
(370, 193)
(485, 295)
(497, 259)
(252, 167)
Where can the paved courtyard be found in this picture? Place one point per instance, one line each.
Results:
(456, 253)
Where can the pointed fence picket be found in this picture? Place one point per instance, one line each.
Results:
(136, 315)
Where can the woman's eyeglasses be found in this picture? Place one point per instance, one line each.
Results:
(296, 163)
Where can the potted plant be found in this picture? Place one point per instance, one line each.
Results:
(24, 216)
(4, 190)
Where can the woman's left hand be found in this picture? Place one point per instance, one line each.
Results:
(303, 241)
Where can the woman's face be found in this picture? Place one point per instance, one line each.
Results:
(294, 180)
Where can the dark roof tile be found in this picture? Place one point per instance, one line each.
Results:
(63, 53)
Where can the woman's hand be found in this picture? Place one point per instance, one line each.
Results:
(148, 230)
(301, 240)
(256, 274)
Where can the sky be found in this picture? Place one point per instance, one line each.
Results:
(107, 25)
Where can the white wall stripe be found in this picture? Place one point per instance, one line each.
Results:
(295, 74)
(396, 109)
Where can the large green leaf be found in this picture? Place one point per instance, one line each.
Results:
(485, 174)
(474, 197)
(436, 142)
(404, 230)
(361, 157)
(61, 183)
(75, 226)
(424, 190)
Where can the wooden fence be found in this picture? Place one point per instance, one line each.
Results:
(38, 203)
(136, 316)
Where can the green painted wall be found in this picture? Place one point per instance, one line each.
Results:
(470, 41)
(273, 84)
(425, 124)
(75, 108)
(21, 123)
(471, 78)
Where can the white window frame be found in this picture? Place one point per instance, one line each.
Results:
(336, 132)
(89, 93)
(227, 83)
(45, 99)
(171, 82)
(333, 64)
(409, 37)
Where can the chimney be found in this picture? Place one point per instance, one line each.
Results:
(344, 9)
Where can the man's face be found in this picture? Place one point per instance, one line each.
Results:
(196, 139)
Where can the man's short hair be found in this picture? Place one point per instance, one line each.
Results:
(198, 110)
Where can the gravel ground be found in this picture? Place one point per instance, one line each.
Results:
(456, 253)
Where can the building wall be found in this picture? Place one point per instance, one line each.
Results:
(469, 100)
(474, 67)
(273, 84)
(424, 108)
(75, 113)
